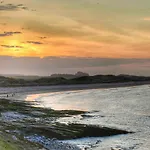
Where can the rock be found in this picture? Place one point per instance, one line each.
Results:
(14, 137)
(51, 144)
(12, 116)
(37, 113)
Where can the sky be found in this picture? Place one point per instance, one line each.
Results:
(96, 36)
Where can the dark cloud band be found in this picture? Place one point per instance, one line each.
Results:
(11, 46)
(48, 65)
(9, 33)
(12, 7)
(34, 42)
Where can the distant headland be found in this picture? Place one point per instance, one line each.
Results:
(68, 79)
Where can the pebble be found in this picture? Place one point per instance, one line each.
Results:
(51, 144)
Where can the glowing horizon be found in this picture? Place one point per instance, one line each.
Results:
(81, 28)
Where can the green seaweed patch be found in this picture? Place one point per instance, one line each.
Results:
(26, 108)
(61, 113)
(72, 131)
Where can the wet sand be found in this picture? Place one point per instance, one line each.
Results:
(20, 93)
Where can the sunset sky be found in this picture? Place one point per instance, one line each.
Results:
(97, 36)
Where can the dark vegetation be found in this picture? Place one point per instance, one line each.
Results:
(70, 76)
(7, 81)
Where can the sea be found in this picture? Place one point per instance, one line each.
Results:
(126, 108)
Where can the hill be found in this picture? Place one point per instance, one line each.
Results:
(70, 76)
(6, 81)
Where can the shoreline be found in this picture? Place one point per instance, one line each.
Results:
(40, 123)
(20, 93)
(38, 128)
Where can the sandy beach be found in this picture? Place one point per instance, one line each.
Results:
(20, 93)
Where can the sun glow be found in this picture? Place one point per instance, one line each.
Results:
(14, 42)
(16, 47)
(12, 47)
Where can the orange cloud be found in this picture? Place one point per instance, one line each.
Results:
(147, 19)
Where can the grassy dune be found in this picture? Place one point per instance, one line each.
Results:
(47, 81)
